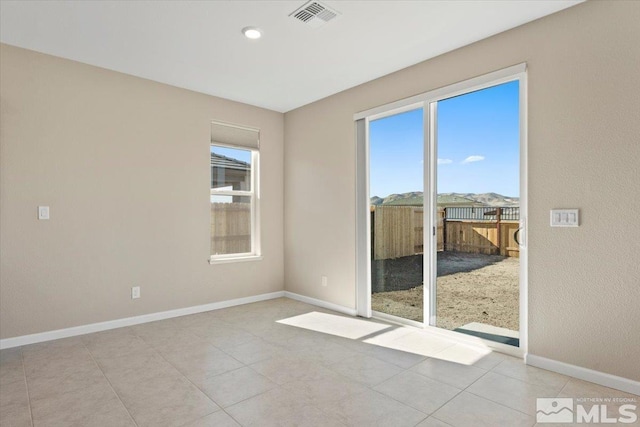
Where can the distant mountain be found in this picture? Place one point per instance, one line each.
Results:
(375, 201)
(493, 199)
(412, 198)
(415, 198)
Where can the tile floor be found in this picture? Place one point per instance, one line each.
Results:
(273, 363)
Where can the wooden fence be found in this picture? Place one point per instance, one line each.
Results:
(397, 231)
(230, 228)
(481, 237)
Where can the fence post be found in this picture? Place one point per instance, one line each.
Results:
(372, 231)
(498, 227)
(444, 230)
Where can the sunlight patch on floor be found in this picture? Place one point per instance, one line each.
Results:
(399, 338)
(340, 326)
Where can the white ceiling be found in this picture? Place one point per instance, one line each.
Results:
(198, 44)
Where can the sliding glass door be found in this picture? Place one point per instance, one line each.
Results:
(441, 236)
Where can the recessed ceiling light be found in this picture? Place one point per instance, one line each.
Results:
(252, 33)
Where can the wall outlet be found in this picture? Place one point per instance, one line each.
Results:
(135, 292)
(43, 212)
(324, 281)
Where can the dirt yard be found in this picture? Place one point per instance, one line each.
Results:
(470, 288)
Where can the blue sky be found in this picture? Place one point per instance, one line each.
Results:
(239, 154)
(478, 146)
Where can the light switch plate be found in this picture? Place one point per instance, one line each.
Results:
(43, 212)
(564, 218)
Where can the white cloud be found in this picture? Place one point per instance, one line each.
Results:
(472, 159)
(444, 161)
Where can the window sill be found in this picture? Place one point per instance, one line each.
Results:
(228, 260)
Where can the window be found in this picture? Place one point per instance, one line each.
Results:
(234, 193)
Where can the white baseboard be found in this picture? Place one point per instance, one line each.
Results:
(129, 321)
(604, 379)
(320, 303)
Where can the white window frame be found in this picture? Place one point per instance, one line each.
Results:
(255, 254)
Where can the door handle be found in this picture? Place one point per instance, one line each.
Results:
(515, 236)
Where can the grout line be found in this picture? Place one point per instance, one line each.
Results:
(499, 403)
(205, 416)
(231, 416)
(108, 382)
(563, 387)
(452, 397)
(423, 376)
(26, 384)
(302, 359)
(422, 420)
(458, 393)
(401, 402)
(530, 383)
(410, 368)
(312, 403)
(438, 419)
(491, 400)
(182, 329)
(477, 379)
(277, 386)
(244, 365)
(182, 374)
(372, 387)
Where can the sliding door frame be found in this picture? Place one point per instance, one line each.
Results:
(428, 102)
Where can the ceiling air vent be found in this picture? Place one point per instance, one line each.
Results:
(314, 14)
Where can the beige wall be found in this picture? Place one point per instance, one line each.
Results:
(584, 152)
(124, 165)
